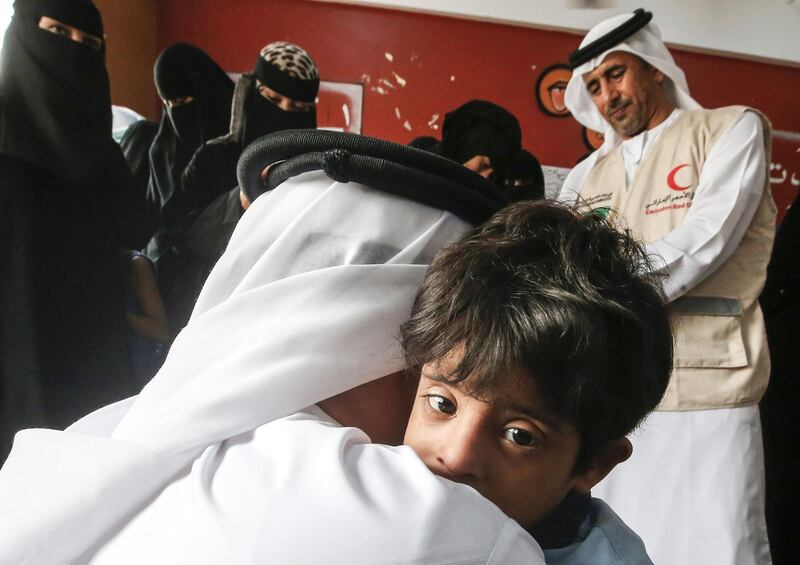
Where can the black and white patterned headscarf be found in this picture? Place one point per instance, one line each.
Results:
(289, 70)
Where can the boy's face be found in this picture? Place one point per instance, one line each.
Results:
(506, 446)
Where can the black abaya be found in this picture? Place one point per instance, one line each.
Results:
(63, 184)
(183, 71)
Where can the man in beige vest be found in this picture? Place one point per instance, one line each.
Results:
(693, 184)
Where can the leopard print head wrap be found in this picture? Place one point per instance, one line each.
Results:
(289, 70)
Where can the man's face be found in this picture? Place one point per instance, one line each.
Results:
(509, 447)
(70, 32)
(283, 102)
(627, 92)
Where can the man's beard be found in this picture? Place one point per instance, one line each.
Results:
(630, 122)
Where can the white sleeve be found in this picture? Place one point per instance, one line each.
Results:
(103, 421)
(728, 192)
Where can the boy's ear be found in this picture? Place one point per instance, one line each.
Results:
(612, 454)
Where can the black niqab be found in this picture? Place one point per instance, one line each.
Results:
(265, 117)
(183, 70)
(524, 178)
(482, 128)
(65, 206)
(55, 106)
(81, 14)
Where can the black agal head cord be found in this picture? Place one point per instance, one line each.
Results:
(397, 169)
(641, 18)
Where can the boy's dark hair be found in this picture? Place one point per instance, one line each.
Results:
(566, 298)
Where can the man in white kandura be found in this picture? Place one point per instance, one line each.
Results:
(693, 184)
(236, 452)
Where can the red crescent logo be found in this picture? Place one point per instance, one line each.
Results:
(671, 178)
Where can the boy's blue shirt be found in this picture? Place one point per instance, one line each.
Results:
(602, 538)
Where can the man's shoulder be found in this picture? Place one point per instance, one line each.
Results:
(733, 110)
(723, 117)
(603, 539)
(364, 498)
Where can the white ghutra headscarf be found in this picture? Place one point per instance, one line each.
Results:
(645, 43)
(305, 304)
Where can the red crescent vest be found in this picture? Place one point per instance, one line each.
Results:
(721, 355)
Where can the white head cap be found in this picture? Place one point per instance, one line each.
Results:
(646, 44)
(305, 304)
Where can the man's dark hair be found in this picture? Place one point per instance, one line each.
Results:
(566, 298)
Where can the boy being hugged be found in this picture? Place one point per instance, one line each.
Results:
(543, 340)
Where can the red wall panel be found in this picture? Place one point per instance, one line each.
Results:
(442, 62)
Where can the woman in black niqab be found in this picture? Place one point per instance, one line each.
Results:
(63, 183)
(482, 128)
(55, 105)
(182, 71)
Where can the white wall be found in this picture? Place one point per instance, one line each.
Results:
(754, 28)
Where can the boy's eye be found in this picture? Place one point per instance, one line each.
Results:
(520, 437)
(441, 404)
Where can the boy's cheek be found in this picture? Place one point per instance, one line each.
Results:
(412, 437)
(422, 439)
